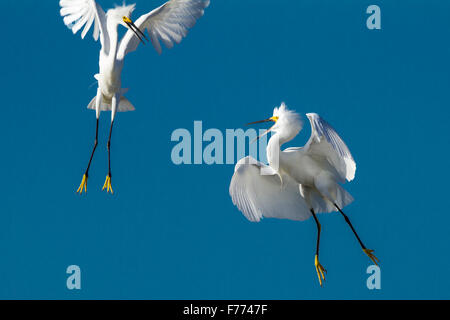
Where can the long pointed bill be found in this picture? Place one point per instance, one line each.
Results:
(260, 121)
(271, 119)
(135, 29)
(262, 135)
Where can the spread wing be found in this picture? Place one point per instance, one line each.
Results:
(258, 195)
(325, 142)
(79, 13)
(168, 23)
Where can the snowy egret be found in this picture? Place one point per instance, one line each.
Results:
(298, 182)
(168, 23)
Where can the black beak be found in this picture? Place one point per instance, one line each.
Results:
(260, 121)
(137, 32)
(266, 132)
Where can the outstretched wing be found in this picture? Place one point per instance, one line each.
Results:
(79, 13)
(325, 142)
(168, 23)
(258, 195)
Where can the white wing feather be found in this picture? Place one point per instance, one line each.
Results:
(258, 196)
(168, 23)
(325, 142)
(79, 13)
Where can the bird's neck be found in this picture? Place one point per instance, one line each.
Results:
(113, 40)
(273, 149)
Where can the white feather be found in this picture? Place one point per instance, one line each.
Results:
(258, 196)
(79, 13)
(325, 142)
(311, 173)
(168, 23)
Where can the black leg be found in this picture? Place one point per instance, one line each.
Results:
(83, 184)
(109, 148)
(368, 252)
(318, 231)
(319, 268)
(351, 226)
(95, 147)
(107, 184)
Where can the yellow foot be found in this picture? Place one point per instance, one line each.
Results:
(371, 256)
(320, 270)
(107, 185)
(83, 185)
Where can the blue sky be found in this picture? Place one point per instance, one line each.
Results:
(172, 232)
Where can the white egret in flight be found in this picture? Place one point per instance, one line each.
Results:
(298, 182)
(168, 23)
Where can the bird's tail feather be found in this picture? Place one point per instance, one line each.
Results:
(343, 198)
(320, 204)
(124, 105)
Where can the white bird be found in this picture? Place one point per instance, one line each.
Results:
(298, 182)
(168, 23)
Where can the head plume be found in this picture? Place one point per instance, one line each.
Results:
(121, 11)
(288, 121)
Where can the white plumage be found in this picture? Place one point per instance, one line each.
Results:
(168, 23)
(325, 142)
(306, 177)
(258, 195)
(298, 182)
